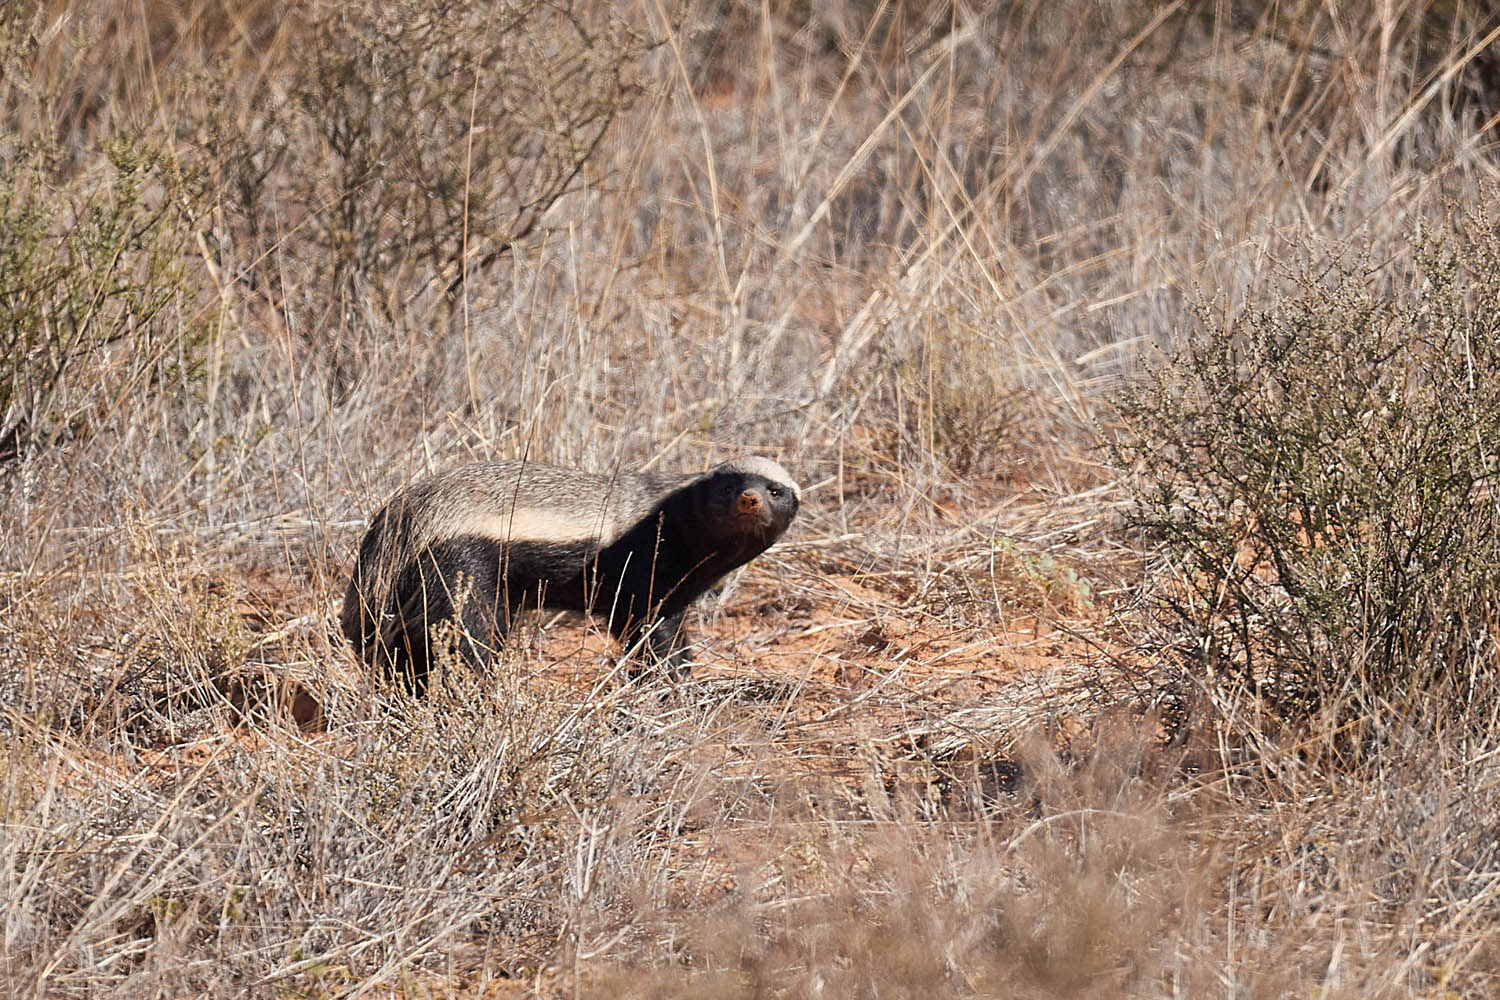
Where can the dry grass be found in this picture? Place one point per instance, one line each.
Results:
(911, 251)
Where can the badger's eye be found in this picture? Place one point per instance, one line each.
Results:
(775, 491)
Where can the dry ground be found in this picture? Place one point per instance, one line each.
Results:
(264, 262)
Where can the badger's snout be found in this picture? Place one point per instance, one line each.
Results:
(752, 505)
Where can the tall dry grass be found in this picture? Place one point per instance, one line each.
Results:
(264, 262)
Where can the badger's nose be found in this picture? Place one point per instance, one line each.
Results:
(750, 503)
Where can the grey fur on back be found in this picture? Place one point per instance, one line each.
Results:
(527, 500)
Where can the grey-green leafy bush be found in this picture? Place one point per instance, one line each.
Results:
(95, 298)
(1322, 477)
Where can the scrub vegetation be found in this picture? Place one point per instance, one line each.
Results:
(1141, 369)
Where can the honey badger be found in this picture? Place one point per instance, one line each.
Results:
(449, 560)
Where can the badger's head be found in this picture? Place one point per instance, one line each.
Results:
(748, 501)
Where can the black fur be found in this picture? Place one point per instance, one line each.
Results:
(459, 594)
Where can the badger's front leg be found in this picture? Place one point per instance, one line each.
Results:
(661, 644)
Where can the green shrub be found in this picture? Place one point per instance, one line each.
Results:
(1322, 478)
(95, 301)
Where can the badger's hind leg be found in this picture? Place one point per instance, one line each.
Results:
(360, 617)
(447, 601)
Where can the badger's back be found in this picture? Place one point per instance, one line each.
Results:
(524, 502)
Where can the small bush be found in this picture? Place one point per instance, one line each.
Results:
(95, 301)
(379, 151)
(1322, 476)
